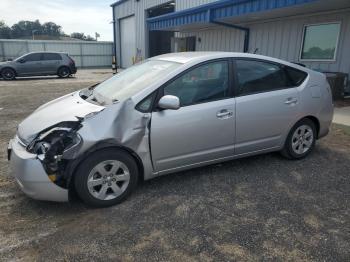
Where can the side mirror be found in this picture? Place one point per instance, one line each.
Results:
(169, 102)
(22, 61)
(9, 60)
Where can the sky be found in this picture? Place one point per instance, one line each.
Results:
(86, 16)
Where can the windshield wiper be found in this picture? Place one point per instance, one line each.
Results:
(87, 92)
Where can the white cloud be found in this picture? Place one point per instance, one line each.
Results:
(74, 16)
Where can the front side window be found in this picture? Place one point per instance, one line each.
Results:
(145, 105)
(257, 76)
(202, 84)
(320, 41)
(33, 57)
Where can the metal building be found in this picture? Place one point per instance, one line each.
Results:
(313, 32)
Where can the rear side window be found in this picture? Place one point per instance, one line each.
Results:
(255, 76)
(33, 57)
(51, 56)
(296, 76)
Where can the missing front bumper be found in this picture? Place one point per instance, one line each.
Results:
(31, 176)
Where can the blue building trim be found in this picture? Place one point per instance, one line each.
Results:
(217, 10)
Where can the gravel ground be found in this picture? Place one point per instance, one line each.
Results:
(258, 208)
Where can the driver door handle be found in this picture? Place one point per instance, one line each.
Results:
(224, 114)
(291, 101)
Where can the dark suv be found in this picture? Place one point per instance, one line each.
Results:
(38, 64)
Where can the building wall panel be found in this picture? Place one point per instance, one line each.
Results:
(185, 4)
(283, 39)
(280, 38)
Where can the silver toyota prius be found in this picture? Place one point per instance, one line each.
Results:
(167, 114)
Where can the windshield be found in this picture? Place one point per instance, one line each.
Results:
(18, 58)
(132, 80)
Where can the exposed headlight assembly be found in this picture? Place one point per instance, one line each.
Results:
(50, 144)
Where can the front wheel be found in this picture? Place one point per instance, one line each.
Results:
(8, 74)
(106, 178)
(64, 72)
(301, 140)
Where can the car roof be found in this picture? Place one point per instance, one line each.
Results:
(197, 57)
(50, 52)
(186, 57)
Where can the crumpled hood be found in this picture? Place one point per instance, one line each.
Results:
(65, 108)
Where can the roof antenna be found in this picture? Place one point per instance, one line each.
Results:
(256, 50)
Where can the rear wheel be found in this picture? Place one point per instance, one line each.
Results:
(301, 140)
(8, 74)
(106, 178)
(64, 72)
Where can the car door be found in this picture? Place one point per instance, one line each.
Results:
(266, 105)
(30, 64)
(51, 62)
(203, 129)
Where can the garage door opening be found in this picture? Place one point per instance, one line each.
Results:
(160, 41)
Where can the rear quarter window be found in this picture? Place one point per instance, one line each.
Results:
(297, 77)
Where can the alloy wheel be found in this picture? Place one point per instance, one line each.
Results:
(64, 72)
(302, 139)
(8, 74)
(108, 180)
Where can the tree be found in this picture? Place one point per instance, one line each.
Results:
(26, 28)
(5, 31)
(82, 36)
(90, 38)
(77, 35)
(52, 29)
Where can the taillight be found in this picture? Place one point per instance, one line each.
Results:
(72, 62)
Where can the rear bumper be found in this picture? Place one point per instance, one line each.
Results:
(73, 70)
(31, 176)
(326, 118)
(323, 132)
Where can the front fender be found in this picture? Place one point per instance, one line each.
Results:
(74, 163)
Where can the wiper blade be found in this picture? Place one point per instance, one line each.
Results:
(86, 93)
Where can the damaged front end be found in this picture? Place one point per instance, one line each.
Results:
(43, 160)
(50, 145)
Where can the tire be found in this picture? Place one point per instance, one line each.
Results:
(64, 72)
(106, 178)
(301, 140)
(8, 74)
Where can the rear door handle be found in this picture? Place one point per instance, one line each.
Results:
(224, 114)
(291, 101)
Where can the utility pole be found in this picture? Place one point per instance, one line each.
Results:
(33, 33)
(97, 35)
